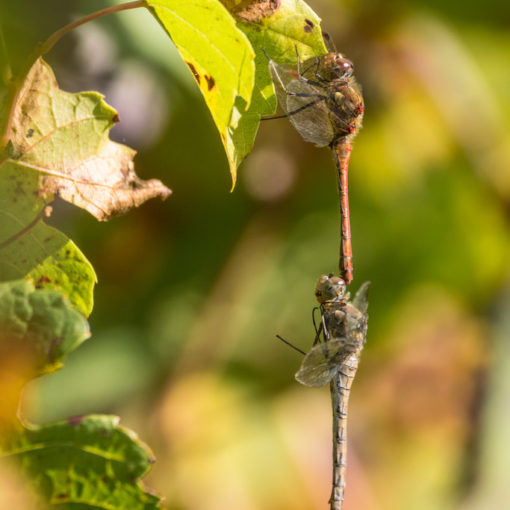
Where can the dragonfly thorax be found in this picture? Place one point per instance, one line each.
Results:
(345, 106)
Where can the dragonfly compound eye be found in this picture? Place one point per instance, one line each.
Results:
(343, 67)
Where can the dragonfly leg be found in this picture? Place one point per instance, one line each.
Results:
(319, 97)
(318, 332)
(293, 112)
(308, 81)
(327, 336)
(321, 81)
(291, 345)
(267, 56)
(317, 75)
(299, 74)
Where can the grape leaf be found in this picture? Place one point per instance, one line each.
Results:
(42, 321)
(38, 329)
(63, 137)
(85, 462)
(31, 249)
(220, 58)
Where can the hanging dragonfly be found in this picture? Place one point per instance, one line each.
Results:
(335, 360)
(324, 103)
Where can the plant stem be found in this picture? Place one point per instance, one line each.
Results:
(5, 127)
(56, 36)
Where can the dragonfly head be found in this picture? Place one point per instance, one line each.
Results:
(329, 288)
(341, 67)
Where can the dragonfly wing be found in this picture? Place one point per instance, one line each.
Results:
(360, 300)
(321, 364)
(356, 323)
(281, 76)
(313, 122)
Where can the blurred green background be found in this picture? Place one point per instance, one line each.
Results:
(193, 290)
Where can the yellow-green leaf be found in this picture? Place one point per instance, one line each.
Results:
(220, 58)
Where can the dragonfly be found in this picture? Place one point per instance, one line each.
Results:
(335, 360)
(324, 103)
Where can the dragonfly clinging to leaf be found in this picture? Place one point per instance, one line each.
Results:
(335, 360)
(323, 101)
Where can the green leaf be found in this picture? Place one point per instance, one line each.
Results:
(281, 29)
(41, 322)
(31, 249)
(63, 138)
(220, 58)
(85, 462)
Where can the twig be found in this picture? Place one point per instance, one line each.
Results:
(44, 48)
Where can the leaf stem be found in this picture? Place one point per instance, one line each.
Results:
(56, 36)
(24, 230)
(45, 47)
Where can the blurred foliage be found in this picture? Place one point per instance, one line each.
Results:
(192, 291)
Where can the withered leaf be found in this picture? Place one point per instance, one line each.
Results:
(64, 137)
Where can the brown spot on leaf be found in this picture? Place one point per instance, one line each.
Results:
(193, 72)
(210, 82)
(254, 11)
(55, 342)
(44, 279)
(30, 133)
(18, 190)
(309, 26)
(116, 117)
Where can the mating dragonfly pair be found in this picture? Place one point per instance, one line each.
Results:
(323, 101)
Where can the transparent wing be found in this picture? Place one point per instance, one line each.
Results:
(360, 300)
(307, 111)
(321, 364)
(313, 122)
(357, 317)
